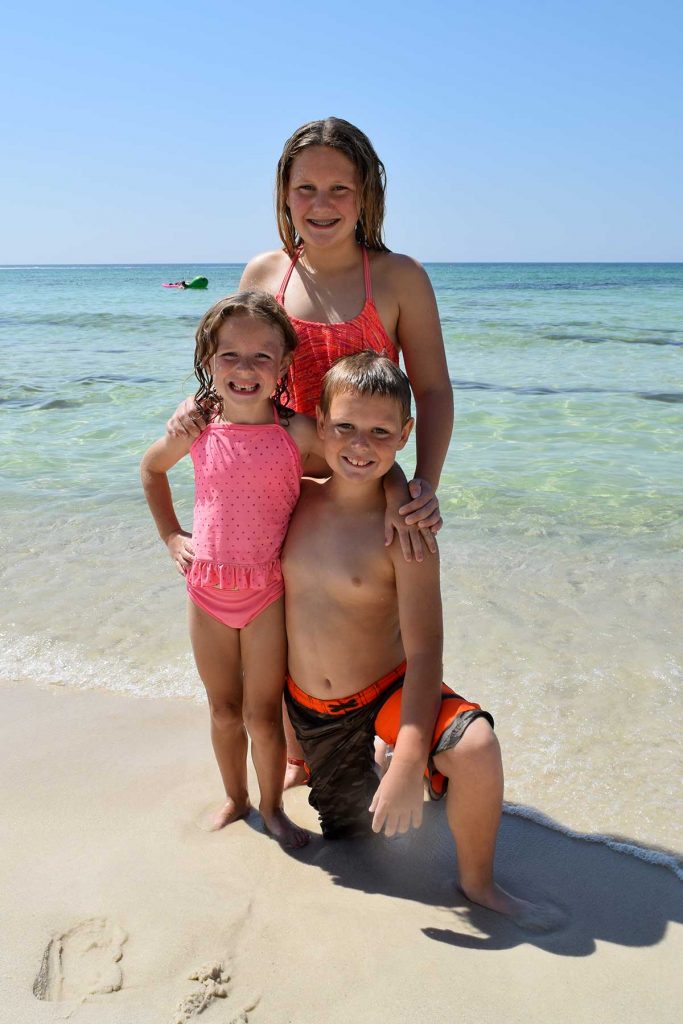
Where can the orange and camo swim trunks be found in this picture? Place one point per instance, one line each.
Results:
(337, 737)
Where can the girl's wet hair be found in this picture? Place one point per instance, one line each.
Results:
(259, 305)
(366, 373)
(354, 144)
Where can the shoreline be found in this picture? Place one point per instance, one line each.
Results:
(104, 857)
(657, 850)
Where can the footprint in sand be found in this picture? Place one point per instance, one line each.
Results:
(84, 961)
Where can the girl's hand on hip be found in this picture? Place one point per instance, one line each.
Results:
(181, 550)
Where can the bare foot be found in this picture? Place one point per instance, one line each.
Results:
(279, 826)
(534, 917)
(295, 773)
(229, 812)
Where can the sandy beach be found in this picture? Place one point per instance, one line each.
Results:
(111, 885)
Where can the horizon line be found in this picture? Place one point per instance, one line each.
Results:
(426, 262)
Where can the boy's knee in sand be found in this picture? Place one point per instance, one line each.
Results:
(338, 738)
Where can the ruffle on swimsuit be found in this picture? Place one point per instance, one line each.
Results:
(229, 576)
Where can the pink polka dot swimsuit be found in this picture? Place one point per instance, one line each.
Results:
(247, 482)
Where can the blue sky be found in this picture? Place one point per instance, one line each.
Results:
(149, 132)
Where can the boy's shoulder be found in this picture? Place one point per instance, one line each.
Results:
(419, 578)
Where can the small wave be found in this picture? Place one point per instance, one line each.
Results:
(39, 398)
(662, 396)
(530, 389)
(671, 397)
(101, 321)
(534, 389)
(661, 858)
(61, 403)
(114, 378)
(23, 395)
(16, 402)
(587, 340)
(49, 662)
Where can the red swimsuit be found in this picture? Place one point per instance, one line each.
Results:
(320, 344)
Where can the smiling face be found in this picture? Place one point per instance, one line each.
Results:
(249, 360)
(323, 196)
(361, 435)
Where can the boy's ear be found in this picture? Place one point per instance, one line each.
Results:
(320, 421)
(405, 433)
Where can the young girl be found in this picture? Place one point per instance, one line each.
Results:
(345, 291)
(248, 462)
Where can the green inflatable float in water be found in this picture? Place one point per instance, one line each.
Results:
(196, 282)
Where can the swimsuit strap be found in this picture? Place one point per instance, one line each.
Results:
(285, 280)
(367, 275)
(229, 423)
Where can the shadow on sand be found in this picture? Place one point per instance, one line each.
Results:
(605, 895)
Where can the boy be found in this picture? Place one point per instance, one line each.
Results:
(365, 646)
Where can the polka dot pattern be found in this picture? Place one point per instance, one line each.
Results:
(247, 482)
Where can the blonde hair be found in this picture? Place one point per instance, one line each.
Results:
(259, 305)
(366, 373)
(354, 144)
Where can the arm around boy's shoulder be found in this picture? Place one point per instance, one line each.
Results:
(303, 432)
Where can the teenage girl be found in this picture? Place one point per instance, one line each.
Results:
(344, 292)
(248, 463)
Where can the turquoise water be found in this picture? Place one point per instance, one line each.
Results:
(561, 497)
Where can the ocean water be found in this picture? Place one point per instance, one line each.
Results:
(561, 550)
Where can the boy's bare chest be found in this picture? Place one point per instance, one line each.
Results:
(345, 554)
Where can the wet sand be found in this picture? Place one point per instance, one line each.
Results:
(118, 909)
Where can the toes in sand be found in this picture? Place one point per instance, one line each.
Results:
(534, 917)
(213, 820)
(280, 827)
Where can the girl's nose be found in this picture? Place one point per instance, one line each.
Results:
(320, 200)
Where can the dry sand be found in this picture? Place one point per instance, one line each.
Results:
(118, 909)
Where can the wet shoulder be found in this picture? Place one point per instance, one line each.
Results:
(265, 272)
(397, 281)
(392, 272)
